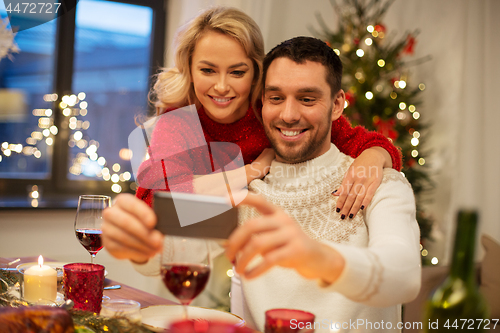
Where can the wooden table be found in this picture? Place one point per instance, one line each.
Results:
(125, 292)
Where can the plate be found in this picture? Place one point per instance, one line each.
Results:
(157, 318)
(59, 298)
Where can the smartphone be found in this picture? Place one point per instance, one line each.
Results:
(194, 215)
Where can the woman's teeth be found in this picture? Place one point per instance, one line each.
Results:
(221, 100)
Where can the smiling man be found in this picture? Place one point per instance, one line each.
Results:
(293, 250)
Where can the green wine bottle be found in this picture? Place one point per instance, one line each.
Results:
(457, 305)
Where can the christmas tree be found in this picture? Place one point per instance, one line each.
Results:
(379, 92)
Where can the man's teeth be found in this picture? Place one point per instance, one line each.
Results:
(290, 133)
(221, 100)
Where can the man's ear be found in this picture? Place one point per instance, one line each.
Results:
(338, 105)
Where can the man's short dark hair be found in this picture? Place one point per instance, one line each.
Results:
(301, 49)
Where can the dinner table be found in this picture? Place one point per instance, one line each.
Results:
(124, 292)
(152, 304)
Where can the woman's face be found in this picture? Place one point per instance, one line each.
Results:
(222, 76)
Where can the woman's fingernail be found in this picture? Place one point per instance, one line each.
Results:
(362, 207)
(334, 192)
(351, 216)
(338, 210)
(343, 216)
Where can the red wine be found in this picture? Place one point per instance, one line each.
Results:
(90, 239)
(185, 281)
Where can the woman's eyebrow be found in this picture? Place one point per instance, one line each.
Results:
(208, 63)
(240, 64)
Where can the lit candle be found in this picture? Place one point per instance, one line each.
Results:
(40, 282)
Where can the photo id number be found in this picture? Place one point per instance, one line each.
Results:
(34, 8)
(471, 324)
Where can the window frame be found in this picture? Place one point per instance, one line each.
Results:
(58, 184)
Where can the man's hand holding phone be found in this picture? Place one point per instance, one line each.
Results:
(128, 230)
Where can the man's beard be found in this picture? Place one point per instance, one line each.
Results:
(294, 152)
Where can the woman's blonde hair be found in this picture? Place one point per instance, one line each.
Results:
(173, 86)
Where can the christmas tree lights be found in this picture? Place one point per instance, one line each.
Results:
(380, 93)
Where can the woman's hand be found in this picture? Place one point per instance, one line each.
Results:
(128, 229)
(260, 166)
(361, 181)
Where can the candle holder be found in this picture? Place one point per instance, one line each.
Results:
(38, 287)
(122, 308)
(58, 266)
(83, 284)
(289, 321)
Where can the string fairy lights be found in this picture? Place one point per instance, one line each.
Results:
(87, 161)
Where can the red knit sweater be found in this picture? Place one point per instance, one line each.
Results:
(177, 153)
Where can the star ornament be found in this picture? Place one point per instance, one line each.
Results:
(7, 44)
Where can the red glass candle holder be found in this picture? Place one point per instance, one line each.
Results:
(83, 284)
(205, 326)
(289, 321)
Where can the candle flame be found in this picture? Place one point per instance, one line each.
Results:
(40, 260)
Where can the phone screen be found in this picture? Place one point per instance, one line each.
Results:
(194, 215)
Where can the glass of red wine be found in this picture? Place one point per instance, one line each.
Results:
(185, 268)
(89, 220)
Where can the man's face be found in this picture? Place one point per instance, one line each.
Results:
(298, 110)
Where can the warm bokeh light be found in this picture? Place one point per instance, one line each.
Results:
(116, 188)
(78, 135)
(115, 178)
(125, 154)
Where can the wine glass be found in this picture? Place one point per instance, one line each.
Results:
(185, 268)
(89, 220)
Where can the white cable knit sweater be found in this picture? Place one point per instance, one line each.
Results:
(382, 258)
(380, 246)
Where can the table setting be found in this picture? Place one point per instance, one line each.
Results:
(39, 292)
